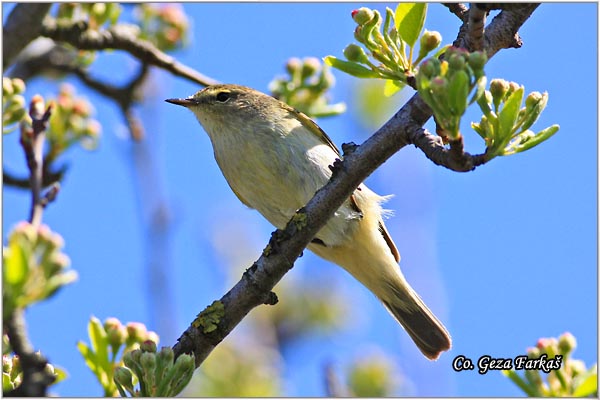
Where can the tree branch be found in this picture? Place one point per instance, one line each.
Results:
(48, 177)
(24, 24)
(475, 27)
(120, 37)
(32, 141)
(285, 246)
(458, 9)
(502, 32)
(36, 378)
(333, 386)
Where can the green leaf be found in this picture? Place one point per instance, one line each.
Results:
(540, 137)
(350, 68)
(479, 89)
(508, 115)
(6, 382)
(392, 87)
(99, 342)
(588, 386)
(15, 264)
(458, 91)
(60, 374)
(410, 18)
(89, 356)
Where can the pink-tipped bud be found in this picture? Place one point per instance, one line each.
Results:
(148, 346)
(362, 15)
(136, 332)
(293, 65)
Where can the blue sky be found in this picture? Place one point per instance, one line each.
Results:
(504, 255)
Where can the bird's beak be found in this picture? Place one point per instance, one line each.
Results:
(182, 102)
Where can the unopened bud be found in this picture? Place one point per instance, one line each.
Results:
(429, 41)
(533, 352)
(7, 86)
(566, 343)
(132, 358)
(18, 85)
(498, 89)
(430, 68)
(82, 107)
(310, 66)
(362, 15)
(456, 62)
(439, 84)
(512, 87)
(355, 53)
(477, 60)
(532, 100)
(37, 106)
(293, 65)
(6, 363)
(115, 331)
(136, 332)
(124, 377)
(166, 355)
(148, 361)
(153, 336)
(148, 346)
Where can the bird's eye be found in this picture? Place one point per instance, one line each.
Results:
(222, 97)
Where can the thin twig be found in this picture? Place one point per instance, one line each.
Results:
(120, 37)
(124, 96)
(48, 177)
(36, 378)
(333, 386)
(32, 141)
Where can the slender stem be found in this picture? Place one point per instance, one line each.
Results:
(36, 378)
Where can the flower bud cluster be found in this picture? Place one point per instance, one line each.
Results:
(158, 373)
(71, 122)
(305, 88)
(451, 85)
(164, 25)
(12, 373)
(505, 124)
(97, 14)
(106, 342)
(551, 372)
(13, 103)
(383, 51)
(34, 267)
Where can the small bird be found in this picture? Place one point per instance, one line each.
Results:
(275, 158)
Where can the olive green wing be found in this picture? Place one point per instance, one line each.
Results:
(314, 128)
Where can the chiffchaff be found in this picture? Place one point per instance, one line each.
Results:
(275, 159)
